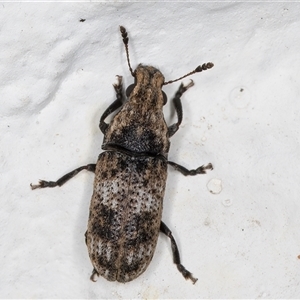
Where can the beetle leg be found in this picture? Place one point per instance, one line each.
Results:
(64, 179)
(114, 106)
(178, 107)
(176, 257)
(186, 172)
(94, 274)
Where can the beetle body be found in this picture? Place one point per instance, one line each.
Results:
(126, 206)
(130, 177)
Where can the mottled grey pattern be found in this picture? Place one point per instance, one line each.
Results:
(125, 214)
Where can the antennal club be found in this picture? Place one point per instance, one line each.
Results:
(198, 69)
(125, 41)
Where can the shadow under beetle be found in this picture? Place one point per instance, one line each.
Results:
(130, 177)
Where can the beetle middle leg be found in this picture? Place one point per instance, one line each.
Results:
(178, 107)
(186, 172)
(63, 179)
(176, 257)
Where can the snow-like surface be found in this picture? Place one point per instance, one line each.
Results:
(56, 73)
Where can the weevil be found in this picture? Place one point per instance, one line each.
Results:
(125, 215)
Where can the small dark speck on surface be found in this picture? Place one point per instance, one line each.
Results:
(82, 20)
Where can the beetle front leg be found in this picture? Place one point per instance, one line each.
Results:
(178, 107)
(176, 257)
(64, 179)
(114, 106)
(186, 172)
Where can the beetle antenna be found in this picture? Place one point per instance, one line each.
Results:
(125, 41)
(198, 69)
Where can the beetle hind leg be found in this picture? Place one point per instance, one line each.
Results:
(176, 257)
(94, 275)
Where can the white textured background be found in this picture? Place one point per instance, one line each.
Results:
(56, 76)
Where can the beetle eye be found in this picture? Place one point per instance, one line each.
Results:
(130, 89)
(165, 97)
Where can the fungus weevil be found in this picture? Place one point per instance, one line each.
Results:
(130, 177)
